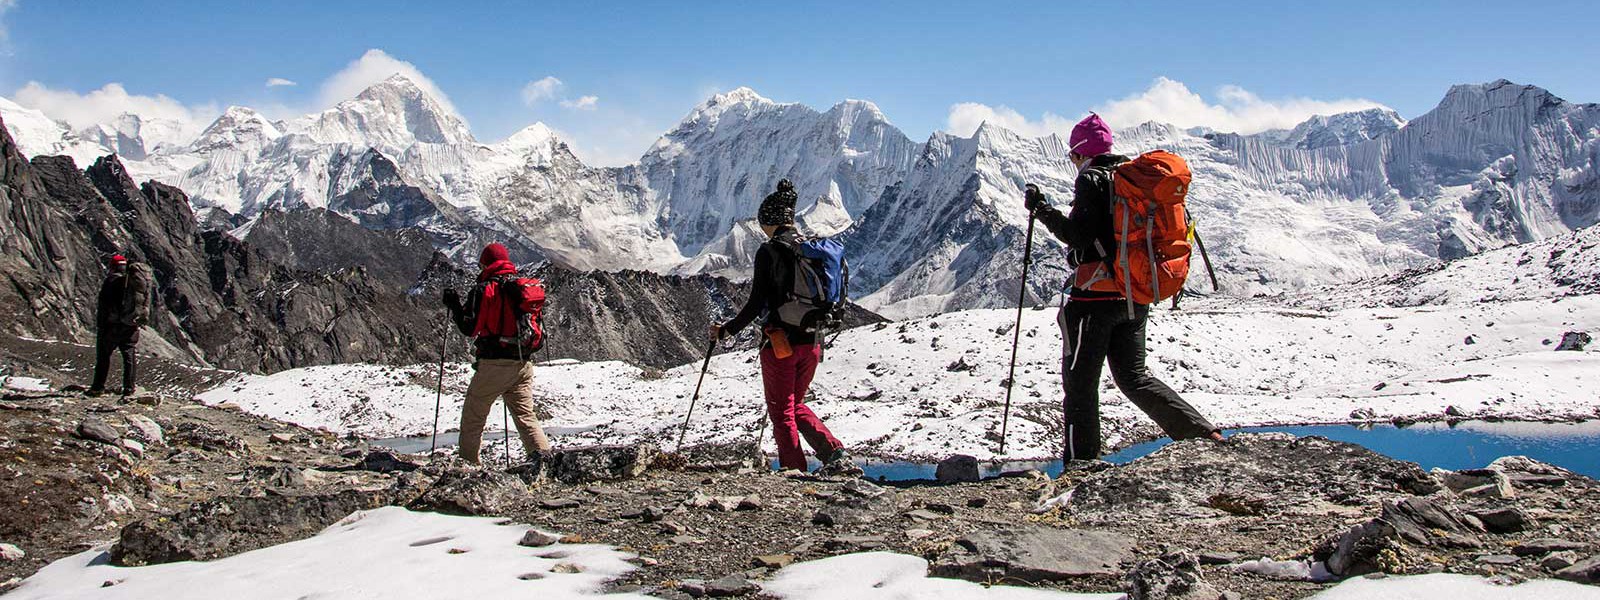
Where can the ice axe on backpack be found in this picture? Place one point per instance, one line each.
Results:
(1016, 332)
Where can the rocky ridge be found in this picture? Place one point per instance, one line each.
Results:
(1263, 515)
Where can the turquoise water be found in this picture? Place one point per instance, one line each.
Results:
(1469, 444)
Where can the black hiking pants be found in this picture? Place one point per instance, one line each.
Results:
(1095, 332)
(114, 338)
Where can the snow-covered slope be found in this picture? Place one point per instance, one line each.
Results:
(932, 386)
(713, 168)
(37, 134)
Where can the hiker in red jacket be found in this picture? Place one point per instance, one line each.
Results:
(1096, 326)
(504, 364)
(789, 355)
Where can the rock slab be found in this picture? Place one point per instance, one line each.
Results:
(1033, 554)
(602, 463)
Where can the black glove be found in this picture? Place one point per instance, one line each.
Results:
(452, 300)
(1033, 199)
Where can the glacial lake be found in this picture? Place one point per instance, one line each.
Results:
(1466, 445)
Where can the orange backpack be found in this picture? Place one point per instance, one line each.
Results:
(1150, 226)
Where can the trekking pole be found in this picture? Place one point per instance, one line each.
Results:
(438, 397)
(1199, 243)
(1016, 334)
(703, 368)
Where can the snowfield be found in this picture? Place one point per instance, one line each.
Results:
(930, 387)
(395, 553)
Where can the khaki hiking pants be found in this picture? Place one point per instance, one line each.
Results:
(494, 378)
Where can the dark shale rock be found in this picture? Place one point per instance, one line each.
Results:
(230, 525)
(1276, 469)
(602, 463)
(959, 468)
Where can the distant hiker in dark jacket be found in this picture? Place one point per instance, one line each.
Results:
(789, 355)
(1095, 324)
(122, 308)
(502, 368)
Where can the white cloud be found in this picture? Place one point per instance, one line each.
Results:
(964, 119)
(104, 105)
(372, 68)
(1235, 110)
(280, 82)
(584, 103)
(541, 90)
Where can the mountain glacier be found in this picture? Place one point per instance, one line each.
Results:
(931, 226)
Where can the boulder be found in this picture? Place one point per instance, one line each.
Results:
(1584, 571)
(1509, 519)
(1174, 576)
(1543, 546)
(602, 463)
(1375, 545)
(473, 491)
(96, 430)
(732, 585)
(226, 526)
(536, 539)
(1573, 341)
(383, 461)
(200, 435)
(1033, 554)
(959, 468)
(10, 552)
(145, 430)
(1557, 561)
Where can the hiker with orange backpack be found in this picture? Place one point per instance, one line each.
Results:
(503, 315)
(1127, 235)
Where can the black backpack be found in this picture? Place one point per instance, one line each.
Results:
(818, 286)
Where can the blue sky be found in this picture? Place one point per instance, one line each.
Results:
(928, 65)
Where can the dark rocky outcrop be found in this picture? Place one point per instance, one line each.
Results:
(217, 300)
(1271, 471)
(602, 463)
(226, 526)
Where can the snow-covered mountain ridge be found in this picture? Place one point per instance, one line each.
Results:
(931, 226)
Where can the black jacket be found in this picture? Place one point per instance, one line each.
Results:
(1087, 229)
(466, 319)
(124, 300)
(769, 288)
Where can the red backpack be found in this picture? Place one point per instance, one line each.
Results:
(511, 310)
(1150, 226)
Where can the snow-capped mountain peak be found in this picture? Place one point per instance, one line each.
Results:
(1344, 129)
(389, 116)
(238, 126)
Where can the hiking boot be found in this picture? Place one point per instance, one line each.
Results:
(533, 470)
(94, 392)
(840, 465)
(129, 391)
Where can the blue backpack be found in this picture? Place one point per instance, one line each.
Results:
(820, 284)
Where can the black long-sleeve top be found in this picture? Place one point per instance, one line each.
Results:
(774, 273)
(1087, 229)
